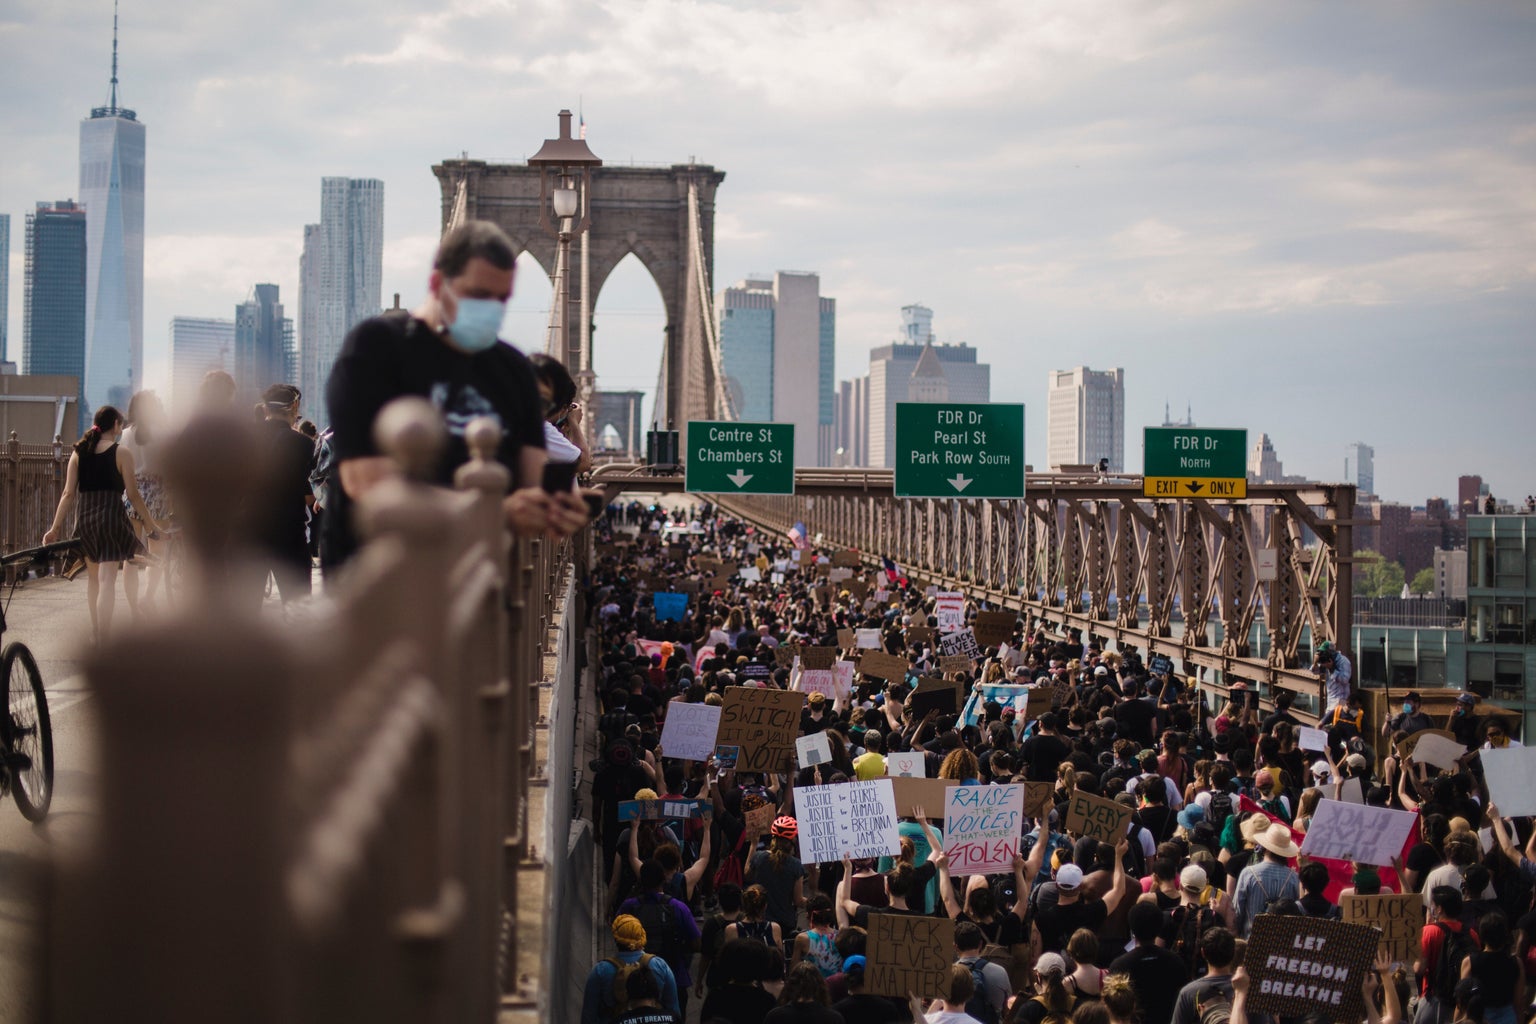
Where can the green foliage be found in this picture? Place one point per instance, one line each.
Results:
(1377, 577)
(1423, 581)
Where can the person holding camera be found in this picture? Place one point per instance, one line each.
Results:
(1334, 669)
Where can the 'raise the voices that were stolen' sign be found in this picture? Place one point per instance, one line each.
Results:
(982, 825)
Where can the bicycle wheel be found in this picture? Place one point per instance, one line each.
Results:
(31, 732)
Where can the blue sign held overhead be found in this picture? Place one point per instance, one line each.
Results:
(670, 606)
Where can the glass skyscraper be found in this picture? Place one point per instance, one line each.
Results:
(112, 191)
(53, 300)
(341, 277)
(262, 338)
(5, 286)
(198, 345)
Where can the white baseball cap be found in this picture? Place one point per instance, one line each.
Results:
(1069, 876)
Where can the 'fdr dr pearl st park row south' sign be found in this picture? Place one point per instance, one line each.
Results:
(959, 450)
(739, 458)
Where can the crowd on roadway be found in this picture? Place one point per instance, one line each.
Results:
(301, 483)
(1151, 925)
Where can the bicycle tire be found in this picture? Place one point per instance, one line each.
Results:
(31, 731)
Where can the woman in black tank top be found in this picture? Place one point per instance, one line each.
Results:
(99, 474)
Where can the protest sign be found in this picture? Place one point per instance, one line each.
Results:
(960, 643)
(843, 671)
(1061, 692)
(1511, 775)
(1312, 739)
(1346, 831)
(919, 635)
(1440, 751)
(859, 589)
(709, 562)
(1038, 799)
(929, 794)
(720, 581)
(777, 578)
(950, 609)
(882, 595)
(726, 755)
(817, 680)
(837, 575)
(818, 657)
(662, 810)
(1299, 965)
(1399, 919)
(1038, 701)
(846, 638)
(784, 656)
(994, 629)
(883, 666)
(955, 663)
(689, 731)
(1352, 791)
(759, 820)
(763, 723)
(750, 574)
(813, 749)
(939, 698)
(794, 556)
(687, 586)
(1406, 747)
(670, 606)
(907, 765)
(856, 818)
(931, 684)
(867, 639)
(1160, 665)
(982, 825)
(846, 559)
(909, 954)
(1002, 693)
(1097, 818)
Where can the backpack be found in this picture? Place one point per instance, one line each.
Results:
(320, 473)
(621, 973)
(979, 1006)
(730, 865)
(1456, 948)
(1283, 904)
(1051, 1016)
(663, 933)
(1219, 810)
(1189, 923)
(1135, 856)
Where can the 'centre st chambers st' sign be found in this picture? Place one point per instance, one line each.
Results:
(959, 450)
(1191, 462)
(739, 458)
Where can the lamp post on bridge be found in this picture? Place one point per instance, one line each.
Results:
(565, 177)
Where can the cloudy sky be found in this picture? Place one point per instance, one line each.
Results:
(1315, 220)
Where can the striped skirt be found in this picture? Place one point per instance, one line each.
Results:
(102, 527)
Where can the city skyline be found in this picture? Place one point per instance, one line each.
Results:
(1303, 239)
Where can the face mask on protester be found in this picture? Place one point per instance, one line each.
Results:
(476, 322)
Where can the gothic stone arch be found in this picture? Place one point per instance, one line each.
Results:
(640, 210)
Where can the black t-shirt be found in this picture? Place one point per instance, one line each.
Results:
(1042, 756)
(1134, 719)
(389, 356)
(803, 1013)
(1156, 976)
(646, 1015)
(1058, 921)
(863, 1008)
(285, 486)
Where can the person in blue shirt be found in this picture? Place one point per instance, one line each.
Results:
(599, 1002)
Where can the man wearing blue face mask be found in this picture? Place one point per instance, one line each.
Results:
(447, 351)
(1412, 718)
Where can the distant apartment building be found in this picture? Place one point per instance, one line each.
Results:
(341, 279)
(1085, 418)
(1470, 491)
(1360, 467)
(5, 287)
(850, 410)
(778, 346)
(198, 345)
(53, 297)
(263, 343)
(1450, 575)
(909, 372)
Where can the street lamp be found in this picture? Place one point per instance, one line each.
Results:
(565, 175)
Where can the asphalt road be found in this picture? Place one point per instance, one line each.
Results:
(50, 616)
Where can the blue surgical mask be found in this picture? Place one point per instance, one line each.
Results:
(476, 323)
(1407, 709)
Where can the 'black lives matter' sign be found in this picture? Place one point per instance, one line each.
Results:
(909, 954)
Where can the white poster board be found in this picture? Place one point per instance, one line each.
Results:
(961, 643)
(813, 749)
(689, 731)
(856, 818)
(950, 609)
(1435, 749)
(1346, 831)
(867, 640)
(1312, 739)
(818, 680)
(1352, 792)
(981, 828)
(1511, 775)
(907, 765)
(750, 574)
(844, 671)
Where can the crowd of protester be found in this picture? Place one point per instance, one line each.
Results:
(1151, 928)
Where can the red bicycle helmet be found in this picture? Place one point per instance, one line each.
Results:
(786, 826)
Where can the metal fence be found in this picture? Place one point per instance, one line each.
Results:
(31, 480)
(324, 820)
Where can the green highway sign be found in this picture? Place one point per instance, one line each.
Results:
(959, 450)
(739, 458)
(1192, 462)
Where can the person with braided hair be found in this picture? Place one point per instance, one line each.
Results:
(781, 875)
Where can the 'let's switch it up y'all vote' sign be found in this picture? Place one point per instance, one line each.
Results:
(762, 723)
